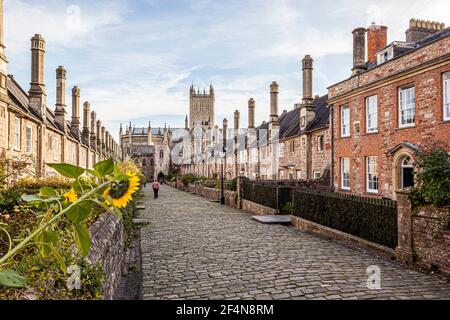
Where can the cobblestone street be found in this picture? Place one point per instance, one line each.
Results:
(195, 249)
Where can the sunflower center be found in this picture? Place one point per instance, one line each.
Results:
(119, 189)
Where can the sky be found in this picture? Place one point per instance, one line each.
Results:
(135, 60)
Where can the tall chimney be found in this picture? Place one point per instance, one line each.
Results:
(251, 113)
(76, 111)
(60, 112)
(274, 90)
(307, 67)
(225, 129)
(419, 29)
(93, 130)
(37, 94)
(376, 40)
(359, 51)
(99, 136)
(3, 59)
(86, 122)
(237, 116)
(103, 139)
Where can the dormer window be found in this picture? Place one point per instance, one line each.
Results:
(385, 55)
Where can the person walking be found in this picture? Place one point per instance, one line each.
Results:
(155, 187)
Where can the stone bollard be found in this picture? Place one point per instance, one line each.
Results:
(404, 250)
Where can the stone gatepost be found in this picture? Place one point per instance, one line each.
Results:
(404, 250)
(240, 180)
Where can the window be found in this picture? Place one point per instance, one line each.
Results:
(345, 121)
(345, 173)
(74, 154)
(371, 174)
(406, 107)
(161, 154)
(317, 175)
(56, 149)
(281, 149)
(372, 114)
(407, 173)
(303, 121)
(29, 134)
(16, 132)
(320, 143)
(292, 146)
(281, 175)
(446, 88)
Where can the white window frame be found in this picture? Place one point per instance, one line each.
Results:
(29, 139)
(345, 176)
(317, 175)
(446, 96)
(16, 133)
(372, 117)
(345, 126)
(320, 143)
(408, 106)
(372, 177)
(74, 153)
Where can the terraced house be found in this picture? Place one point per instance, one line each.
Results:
(28, 126)
(395, 103)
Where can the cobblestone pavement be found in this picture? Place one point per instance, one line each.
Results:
(196, 249)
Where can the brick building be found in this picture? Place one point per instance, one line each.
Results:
(395, 103)
(29, 127)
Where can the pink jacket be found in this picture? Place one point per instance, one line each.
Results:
(155, 185)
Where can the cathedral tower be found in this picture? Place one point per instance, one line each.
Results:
(201, 107)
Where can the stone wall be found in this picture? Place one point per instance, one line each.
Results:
(107, 248)
(431, 238)
(258, 209)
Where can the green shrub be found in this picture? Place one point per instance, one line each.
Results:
(433, 179)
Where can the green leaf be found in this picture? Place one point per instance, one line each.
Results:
(47, 192)
(82, 239)
(10, 278)
(31, 198)
(104, 168)
(46, 242)
(67, 170)
(79, 212)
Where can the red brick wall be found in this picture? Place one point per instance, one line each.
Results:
(376, 40)
(430, 127)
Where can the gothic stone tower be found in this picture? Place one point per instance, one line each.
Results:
(201, 108)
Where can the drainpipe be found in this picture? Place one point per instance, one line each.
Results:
(332, 145)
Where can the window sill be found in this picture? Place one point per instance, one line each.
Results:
(406, 127)
(345, 190)
(371, 133)
(346, 137)
(445, 121)
(373, 192)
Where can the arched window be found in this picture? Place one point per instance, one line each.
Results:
(407, 173)
(161, 154)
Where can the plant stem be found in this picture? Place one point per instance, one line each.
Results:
(12, 252)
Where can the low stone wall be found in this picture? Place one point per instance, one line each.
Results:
(431, 238)
(329, 233)
(231, 198)
(258, 209)
(107, 248)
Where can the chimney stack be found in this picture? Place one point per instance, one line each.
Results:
(307, 67)
(60, 112)
(237, 116)
(251, 113)
(419, 29)
(3, 59)
(93, 130)
(225, 129)
(274, 90)
(103, 139)
(359, 51)
(376, 40)
(99, 136)
(76, 111)
(37, 94)
(86, 122)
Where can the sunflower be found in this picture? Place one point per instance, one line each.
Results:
(122, 192)
(71, 196)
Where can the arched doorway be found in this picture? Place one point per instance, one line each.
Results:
(403, 174)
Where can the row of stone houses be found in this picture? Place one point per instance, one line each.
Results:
(363, 134)
(29, 127)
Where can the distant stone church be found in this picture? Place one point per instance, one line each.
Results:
(149, 147)
(201, 107)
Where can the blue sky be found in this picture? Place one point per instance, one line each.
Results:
(135, 60)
